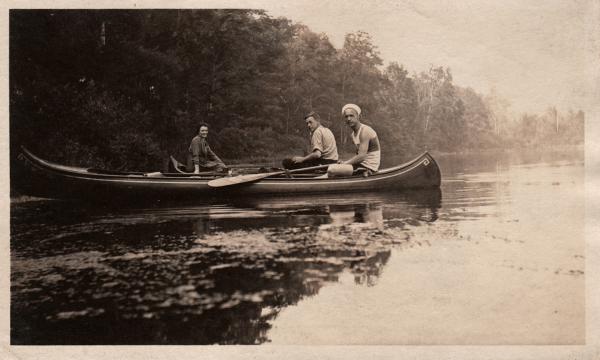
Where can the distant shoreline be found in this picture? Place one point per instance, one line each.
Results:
(551, 148)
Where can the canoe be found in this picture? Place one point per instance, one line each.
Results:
(39, 177)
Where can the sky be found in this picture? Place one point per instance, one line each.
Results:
(533, 53)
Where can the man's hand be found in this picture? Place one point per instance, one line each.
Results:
(297, 159)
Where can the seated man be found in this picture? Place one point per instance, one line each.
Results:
(201, 154)
(322, 144)
(368, 154)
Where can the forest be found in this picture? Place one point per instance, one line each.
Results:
(124, 89)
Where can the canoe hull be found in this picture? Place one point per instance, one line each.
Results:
(56, 181)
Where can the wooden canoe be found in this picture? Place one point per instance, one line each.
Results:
(43, 178)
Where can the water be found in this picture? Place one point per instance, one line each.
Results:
(495, 257)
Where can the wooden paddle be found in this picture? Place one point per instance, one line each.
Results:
(248, 178)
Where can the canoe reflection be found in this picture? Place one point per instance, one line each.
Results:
(372, 208)
(201, 275)
(368, 213)
(339, 215)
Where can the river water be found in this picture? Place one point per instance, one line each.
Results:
(495, 257)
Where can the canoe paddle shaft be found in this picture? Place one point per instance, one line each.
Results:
(249, 178)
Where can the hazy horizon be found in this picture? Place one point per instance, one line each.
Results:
(533, 54)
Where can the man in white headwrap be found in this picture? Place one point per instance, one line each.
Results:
(368, 151)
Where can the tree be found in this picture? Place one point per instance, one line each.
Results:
(359, 75)
(308, 80)
(440, 110)
(398, 108)
(498, 108)
(479, 129)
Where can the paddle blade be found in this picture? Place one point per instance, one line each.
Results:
(235, 180)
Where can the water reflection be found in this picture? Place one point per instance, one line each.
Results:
(194, 274)
(247, 271)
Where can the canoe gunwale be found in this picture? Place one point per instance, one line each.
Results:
(84, 172)
(75, 182)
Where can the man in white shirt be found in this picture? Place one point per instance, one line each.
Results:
(322, 143)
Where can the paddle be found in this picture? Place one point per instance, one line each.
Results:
(248, 178)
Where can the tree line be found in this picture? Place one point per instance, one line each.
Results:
(123, 89)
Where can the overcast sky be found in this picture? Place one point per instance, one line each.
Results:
(532, 52)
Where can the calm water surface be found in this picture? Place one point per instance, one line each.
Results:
(495, 257)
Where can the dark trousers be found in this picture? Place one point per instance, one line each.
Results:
(289, 164)
(207, 166)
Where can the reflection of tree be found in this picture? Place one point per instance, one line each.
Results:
(372, 215)
(367, 272)
(221, 280)
(202, 226)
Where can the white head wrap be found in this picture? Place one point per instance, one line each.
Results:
(351, 106)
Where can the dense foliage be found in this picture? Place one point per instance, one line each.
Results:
(126, 88)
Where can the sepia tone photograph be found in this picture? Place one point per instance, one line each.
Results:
(340, 173)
